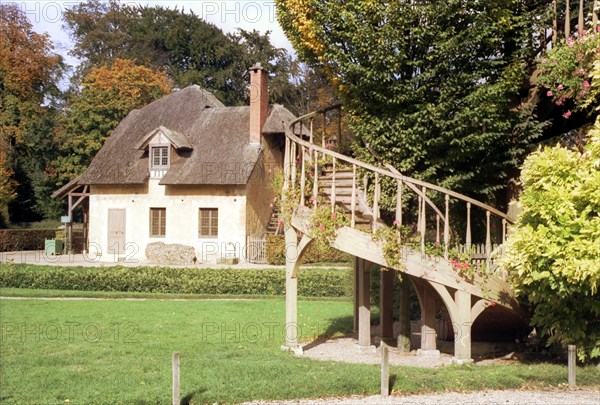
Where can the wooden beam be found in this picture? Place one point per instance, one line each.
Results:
(386, 303)
(364, 303)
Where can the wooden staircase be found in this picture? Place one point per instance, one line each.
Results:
(434, 276)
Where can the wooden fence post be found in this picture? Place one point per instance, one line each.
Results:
(572, 353)
(385, 370)
(175, 366)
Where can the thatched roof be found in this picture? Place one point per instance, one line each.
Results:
(213, 141)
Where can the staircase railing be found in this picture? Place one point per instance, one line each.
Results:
(299, 151)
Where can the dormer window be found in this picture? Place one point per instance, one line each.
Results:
(158, 145)
(159, 157)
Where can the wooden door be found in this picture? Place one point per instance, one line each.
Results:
(116, 231)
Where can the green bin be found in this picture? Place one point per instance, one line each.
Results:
(53, 246)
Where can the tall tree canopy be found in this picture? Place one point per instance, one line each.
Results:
(28, 73)
(435, 88)
(108, 94)
(192, 50)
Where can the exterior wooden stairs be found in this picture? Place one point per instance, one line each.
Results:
(479, 302)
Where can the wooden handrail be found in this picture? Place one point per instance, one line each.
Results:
(409, 180)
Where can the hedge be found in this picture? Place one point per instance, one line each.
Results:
(311, 282)
(24, 239)
(275, 252)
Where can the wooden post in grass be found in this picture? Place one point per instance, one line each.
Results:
(572, 353)
(175, 364)
(385, 370)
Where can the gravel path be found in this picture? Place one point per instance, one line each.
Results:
(508, 397)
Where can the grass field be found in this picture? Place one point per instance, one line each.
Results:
(119, 351)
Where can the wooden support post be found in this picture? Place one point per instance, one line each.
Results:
(364, 304)
(567, 19)
(595, 10)
(462, 327)
(404, 316)
(291, 291)
(176, 379)
(580, 20)
(554, 23)
(376, 202)
(386, 303)
(324, 129)
(503, 230)
(385, 370)
(428, 342)
(356, 291)
(572, 363)
(293, 161)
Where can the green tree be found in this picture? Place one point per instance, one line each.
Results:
(108, 94)
(437, 89)
(192, 50)
(29, 72)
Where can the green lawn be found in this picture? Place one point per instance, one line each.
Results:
(119, 351)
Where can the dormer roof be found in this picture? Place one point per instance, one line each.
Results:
(177, 139)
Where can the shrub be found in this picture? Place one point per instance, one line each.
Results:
(316, 253)
(24, 239)
(312, 282)
(553, 257)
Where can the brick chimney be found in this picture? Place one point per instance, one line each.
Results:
(259, 101)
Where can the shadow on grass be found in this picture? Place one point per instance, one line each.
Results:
(338, 327)
(186, 399)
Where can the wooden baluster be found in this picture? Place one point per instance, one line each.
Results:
(316, 180)
(324, 130)
(286, 164)
(488, 239)
(424, 222)
(437, 229)
(302, 177)
(468, 238)
(447, 227)
(353, 200)
(365, 188)
(503, 230)
(399, 204)
(333, 188)
(310, 138)
(293, 158)
(419, 212)
(376, 202)
(595, 9)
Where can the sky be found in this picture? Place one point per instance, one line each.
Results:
(46, 16)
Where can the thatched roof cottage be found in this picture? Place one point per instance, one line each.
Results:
(186, 169)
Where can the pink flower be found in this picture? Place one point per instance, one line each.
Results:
(396, 222)
(581, 71)
(586, 84)
(492, 303)
(321, 228)
(333, 215)
(555, 62)
(560, 87)
(273, 216)
(567, 115)
(549, 93)
(308, 228)
(280, 221)
(598, 28)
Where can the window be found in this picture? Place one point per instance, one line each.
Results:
(208, 226)
(160, 157)
(158, 222)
